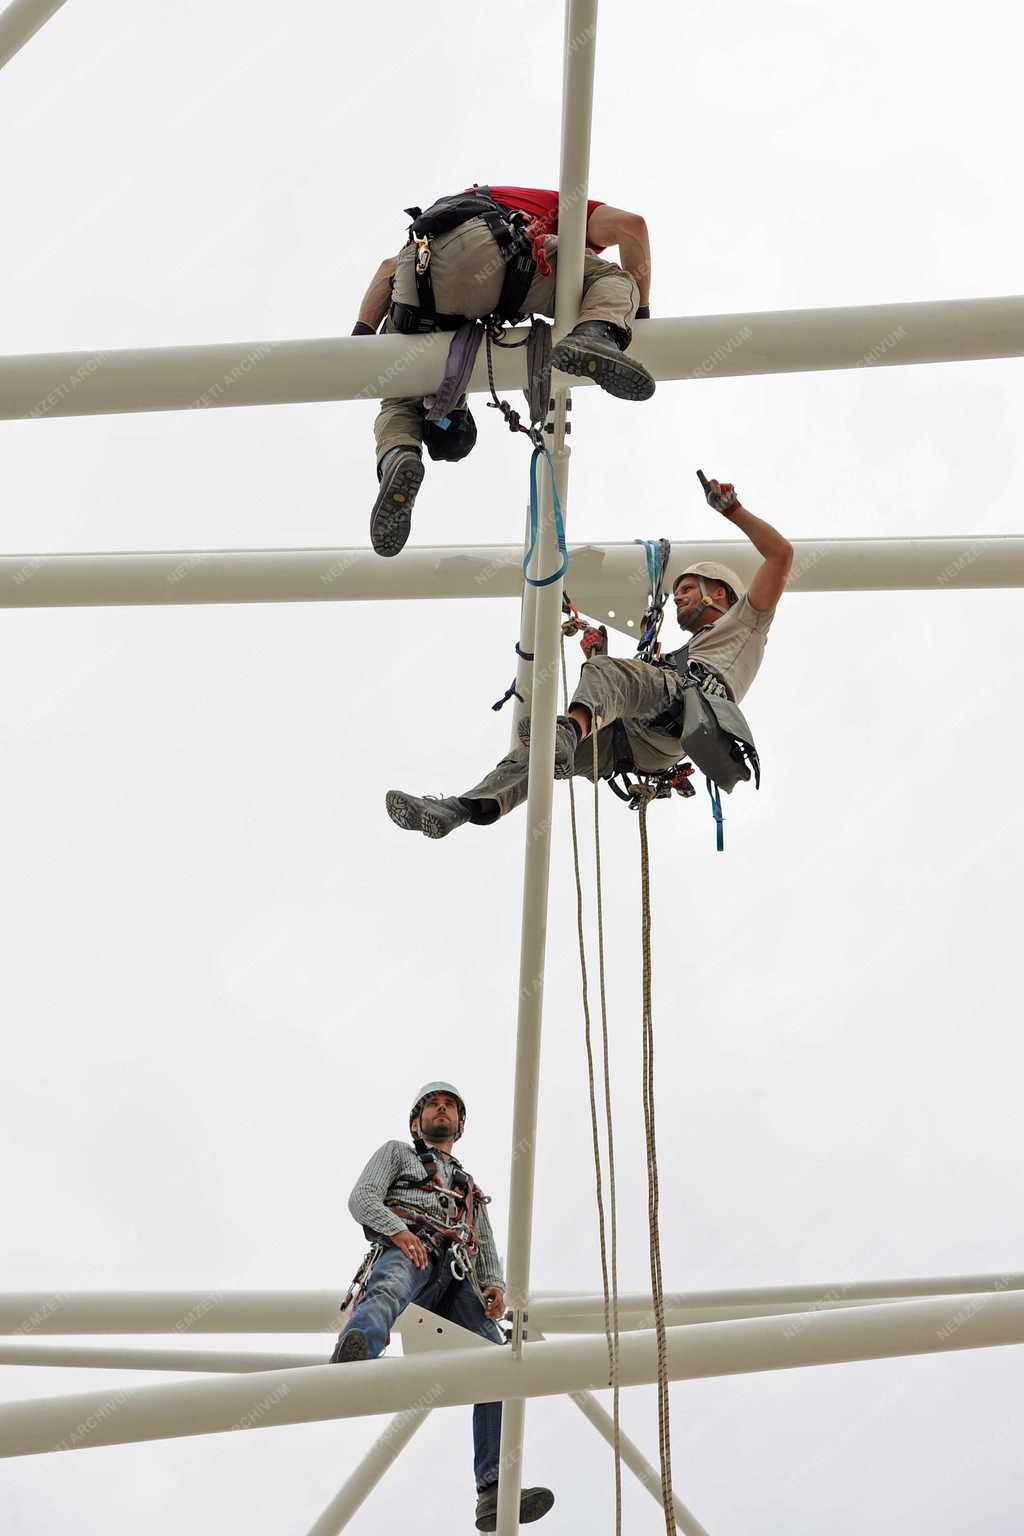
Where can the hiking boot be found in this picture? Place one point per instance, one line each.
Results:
(352, 1345)
(432, 815)
(533, 1503)
(566, 742)
(595, 349)
(400, 473)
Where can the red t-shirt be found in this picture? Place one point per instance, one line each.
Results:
(539, 204)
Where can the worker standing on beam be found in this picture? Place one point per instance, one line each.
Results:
(638, 705)
(433, 1245)
(493, 253)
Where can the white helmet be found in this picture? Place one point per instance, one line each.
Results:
(711, 570)
(426, 1091)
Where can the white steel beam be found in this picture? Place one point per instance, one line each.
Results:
(579, 47)
(112, 1358)
(99, 382)
(317, 1393)
(26, 1314)
(602, 578)
(636, 1461)
(379, 1459)
(20, 21)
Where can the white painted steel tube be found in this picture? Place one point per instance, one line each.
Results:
(378, 1460)
(604, 576)
(26, 1314)
(579, 47)
(29, 1313)
(20, 21)
(112, 1358)
(43, 386)
(636, 1461)
(451, 1378)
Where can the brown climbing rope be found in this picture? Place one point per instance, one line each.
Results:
(609, 1263)
(645, 794)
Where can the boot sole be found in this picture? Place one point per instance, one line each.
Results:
(411, 817)
(563, 770)
(352, 1347)
(391, 518)
(532, 1506)
(619, 375)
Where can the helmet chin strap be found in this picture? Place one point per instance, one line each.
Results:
(705, 603)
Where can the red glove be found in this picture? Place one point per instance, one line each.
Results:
(721, 497)
(594, 642)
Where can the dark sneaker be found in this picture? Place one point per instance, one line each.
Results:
(566, 742)
(401, 475)
(429, 814)
(594, 351)
(352, 1345)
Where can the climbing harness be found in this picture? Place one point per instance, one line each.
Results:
(452, 1236)
(507, 227)
(609, 1259)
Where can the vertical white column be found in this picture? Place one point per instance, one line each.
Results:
(577, 101)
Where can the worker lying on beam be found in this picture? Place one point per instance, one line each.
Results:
(432, 1245)
(728, 627)
(493, 252)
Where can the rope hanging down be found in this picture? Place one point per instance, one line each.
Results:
(653, 1192)
(608, 1267)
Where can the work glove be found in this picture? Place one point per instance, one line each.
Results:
(644, 312)
(594, 642)
(721, 497)
(362, 329)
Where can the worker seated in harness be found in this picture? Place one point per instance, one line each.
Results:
(433, 1245)
(492, 253)
(648, 716)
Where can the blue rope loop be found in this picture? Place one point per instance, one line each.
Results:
(544, 581)
(656, 552)
(716, 811)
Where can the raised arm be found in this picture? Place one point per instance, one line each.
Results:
(614, 226)
(376, 298)
(769, 580)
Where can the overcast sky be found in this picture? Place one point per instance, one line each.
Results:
(226, 972)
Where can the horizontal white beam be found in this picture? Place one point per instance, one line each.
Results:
(26, 1314)
(316, 1393)
(96, 382)
(113, 1358)
(20, 21)
(602, 578)
(569, 1311)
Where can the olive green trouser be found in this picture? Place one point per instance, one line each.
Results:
(630, 691)
(467, 272)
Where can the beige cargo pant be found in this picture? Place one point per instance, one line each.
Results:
(467, 273)
(631, 691)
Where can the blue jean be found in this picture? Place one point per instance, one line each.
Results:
(394, 1282)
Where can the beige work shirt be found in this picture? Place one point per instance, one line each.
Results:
(733, 647)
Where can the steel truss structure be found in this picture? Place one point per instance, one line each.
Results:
(709, 1333)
